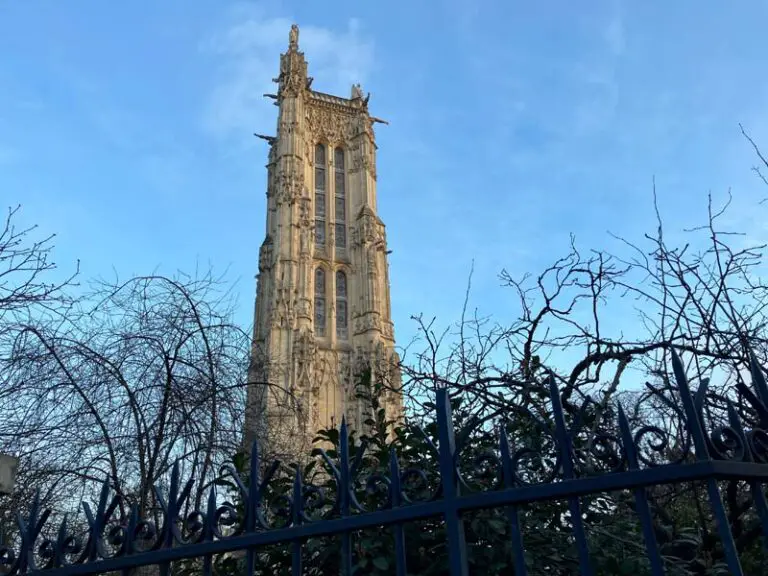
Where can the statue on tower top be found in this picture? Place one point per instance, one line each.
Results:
(293, 38)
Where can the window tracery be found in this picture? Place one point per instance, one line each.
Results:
(340, 209)
(320, 195)
(341, 306)
(320, 302)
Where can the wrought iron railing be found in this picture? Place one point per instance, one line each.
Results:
(121, 543)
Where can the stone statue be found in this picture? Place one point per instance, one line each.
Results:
(293, 37)
(357, 91)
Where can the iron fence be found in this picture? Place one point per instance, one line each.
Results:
(123, 542)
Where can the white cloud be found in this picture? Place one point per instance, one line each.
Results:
(247, 58)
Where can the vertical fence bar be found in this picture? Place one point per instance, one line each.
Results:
(641, 498)
(759, 383)
(454, 524)
(755, 487)
(171, 513)
(95, 523)
(694, 422)
(345, 486)
(508, 472)
(253, 502)
(298, 509)
(130, 531)
(29, 532)
(210, 519)
(758, 497)
(563, 441)
(450, 501)
(395, 500)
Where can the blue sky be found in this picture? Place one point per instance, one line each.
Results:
(126, 128)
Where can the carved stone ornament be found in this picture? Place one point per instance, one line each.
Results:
(345, 370)
(304, 350)
(265, 255)
(363, 157)
(365, 323)
(369, 161)
(304, 308)
(388, 330)
(305, 211)
(358, 153)
(293, 74)
(369, 231)
(290, 186)
(335, 128)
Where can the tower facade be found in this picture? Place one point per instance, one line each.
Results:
(322, 314)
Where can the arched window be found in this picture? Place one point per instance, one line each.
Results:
(341, 305)
(320, 302)
(340, 207)
(320, 195)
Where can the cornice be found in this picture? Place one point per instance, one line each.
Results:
(336, 103)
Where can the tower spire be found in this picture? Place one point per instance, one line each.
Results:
(322, 313)
(293, 68)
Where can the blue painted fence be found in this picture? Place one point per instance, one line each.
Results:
(120, 544)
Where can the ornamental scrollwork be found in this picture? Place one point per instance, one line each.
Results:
(527, 455)
(329, 126)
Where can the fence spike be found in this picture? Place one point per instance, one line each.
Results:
(696, 428)
(344, 490)
(758, 377)
(450, 501)
(454, 523)
(298, 510)
(566, 462)
(508, 478)
(395, 501)
(642, 505)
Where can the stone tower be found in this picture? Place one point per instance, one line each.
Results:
(322, 301)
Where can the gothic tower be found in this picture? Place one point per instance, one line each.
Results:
(322, 301)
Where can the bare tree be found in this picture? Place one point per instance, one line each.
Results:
(596, 320)
(26, 270)
(601, 324)
(762, 160)
(140, 375)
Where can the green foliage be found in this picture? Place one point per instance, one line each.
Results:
(613, 530)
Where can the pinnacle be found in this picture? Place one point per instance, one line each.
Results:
(293, 38)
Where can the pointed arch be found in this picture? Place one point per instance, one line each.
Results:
(320, 307)
(340, 205)
(320, 199)
(342, 320)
